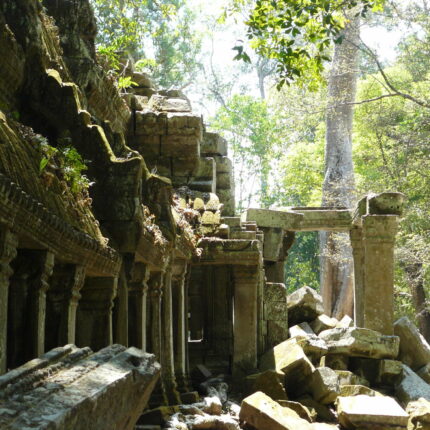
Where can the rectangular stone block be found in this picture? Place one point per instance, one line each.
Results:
(223, 165)
(147, 145)
(277, 332)
(81, 390)
(181, 146)
(275, 311)
(213, 144)
(414, 349)
(224, 180)
(360, 342)
(150, 123)
(262, 413)
(275, 292)
(185, 124)
(369, 412)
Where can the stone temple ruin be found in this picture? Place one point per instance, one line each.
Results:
(117, 304)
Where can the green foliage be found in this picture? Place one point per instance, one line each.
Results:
(125, 82)
(391, 152)
(297, 34)
(66, 161)
(302, 265)
(160, 35)
(253, 131)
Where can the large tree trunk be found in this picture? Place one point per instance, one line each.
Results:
(414, 273)
(338, 188)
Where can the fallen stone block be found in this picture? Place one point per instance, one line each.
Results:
(355, 390)
(345, 322)
(323, 322)
(367, 412)
(269, 382)
(318, 411)
(302, 329)
(304, 305)
(313, 346)
(301, 410)
(419, 415)
(80, 390)
(335, 361)
(411, 387)
(414, 349)
(262, 413)
(288, 357)
(360, 342)
(324, 385)
(348, 378)
(389, 372)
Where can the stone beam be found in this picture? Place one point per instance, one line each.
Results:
(287, 220)
(301, 219)
(231, 252)
(324, 219)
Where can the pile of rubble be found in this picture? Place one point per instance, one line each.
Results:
(327, 375)
(332, 375)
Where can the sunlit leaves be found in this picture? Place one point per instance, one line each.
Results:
(298, 33)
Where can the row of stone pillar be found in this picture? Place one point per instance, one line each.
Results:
(45, 303)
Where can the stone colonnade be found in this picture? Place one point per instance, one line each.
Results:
(47, 302)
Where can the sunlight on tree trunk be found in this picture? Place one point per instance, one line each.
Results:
(338, 187)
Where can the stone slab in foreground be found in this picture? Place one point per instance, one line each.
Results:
(74, 388)
(262, 413)
(367, 412)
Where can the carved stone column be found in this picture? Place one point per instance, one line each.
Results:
(168, 365)
(137, 292)
(245, 351)
(120, 310)
(94, 316)
(8, 245)
(179, 327)
(38, 286)
(155, 291)
(62, 303)
(356, 238)
(378, 301)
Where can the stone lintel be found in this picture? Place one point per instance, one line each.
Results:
(324, 219)
(287, 220)
(229, 251)
(301, 219)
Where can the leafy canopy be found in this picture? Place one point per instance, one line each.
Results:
(297, 34)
